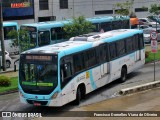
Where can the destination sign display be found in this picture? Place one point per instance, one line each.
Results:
(39, 58)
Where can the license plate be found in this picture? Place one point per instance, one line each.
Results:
(37, 104)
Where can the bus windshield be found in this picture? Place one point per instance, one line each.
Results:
(38, 74)
(7, 30)
(32, 33)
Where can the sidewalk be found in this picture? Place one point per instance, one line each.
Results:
(143, 101)
(9, 73)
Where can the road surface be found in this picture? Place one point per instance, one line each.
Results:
(11, 102)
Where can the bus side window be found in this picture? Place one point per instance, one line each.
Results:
(102, 53)
(120, 48)
(78, 62)
(116, 25)
(43, 38)
(106, 26)
(125, 24)
(7, 30)
(96, 27)
(59, 33)
(112, 49)
(141, 41)
(53, 34)
(90, 58)
(129, 45)
(135, 42)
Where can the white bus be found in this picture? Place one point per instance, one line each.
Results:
(9, 45)
(57, 74)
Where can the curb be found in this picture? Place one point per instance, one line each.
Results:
(2, 72)
(139, 88)
(9, 92)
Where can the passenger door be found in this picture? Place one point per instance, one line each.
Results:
(103, 60)
(66, 72)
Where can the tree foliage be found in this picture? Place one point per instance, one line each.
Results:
(78, 26)
(125, 9)
(20, 38)
(155, 9)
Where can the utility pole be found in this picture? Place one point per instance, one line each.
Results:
(2, 38)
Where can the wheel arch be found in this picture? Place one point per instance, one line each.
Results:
(82, 89)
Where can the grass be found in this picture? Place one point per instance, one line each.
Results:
(150, 57)
(14, 85)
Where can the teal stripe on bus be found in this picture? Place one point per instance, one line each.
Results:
(92, 80)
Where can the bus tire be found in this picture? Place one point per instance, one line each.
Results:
(78, 96)
(123, 74)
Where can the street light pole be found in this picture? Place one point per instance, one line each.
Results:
(2, 38)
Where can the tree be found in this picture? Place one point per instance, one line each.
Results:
(155, 9)
(125, 9)
(78, 26)
(20, 38)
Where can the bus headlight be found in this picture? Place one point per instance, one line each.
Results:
(54, 95)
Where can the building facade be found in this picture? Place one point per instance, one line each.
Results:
(29, 11)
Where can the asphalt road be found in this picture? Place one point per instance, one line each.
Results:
(11, 102)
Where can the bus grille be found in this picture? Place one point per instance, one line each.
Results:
(34, 101)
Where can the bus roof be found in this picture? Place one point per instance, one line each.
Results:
(74, 46)
(48, 24)
(9, 24)
(109, 36)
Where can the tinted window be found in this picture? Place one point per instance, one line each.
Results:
(7, 30)
(141, 41)
(43, 38)
(120, 47)
(90, 58)
(125, 24)
(66, 73)
(116, 25)
(112, 48)
(96, 27)
(103, 53)
(129, 45)
(78, 62)
(135, 42)
(57, 33)
(106, 26)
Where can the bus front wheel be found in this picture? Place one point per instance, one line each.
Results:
(78, 96)
(123, 74)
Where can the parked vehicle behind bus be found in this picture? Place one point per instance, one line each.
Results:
(51, 32)
(8, 42)
(55, 75)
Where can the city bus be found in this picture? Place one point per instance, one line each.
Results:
(51, 32)
(9, 44)
(57, 74)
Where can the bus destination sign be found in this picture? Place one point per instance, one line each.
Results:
(39, 57)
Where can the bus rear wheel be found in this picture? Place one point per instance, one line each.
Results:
(123, 74)
(78, 96)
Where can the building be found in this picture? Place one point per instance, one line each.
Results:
(29, 11)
